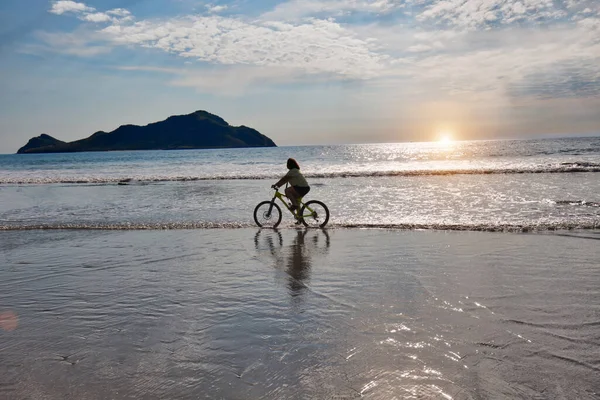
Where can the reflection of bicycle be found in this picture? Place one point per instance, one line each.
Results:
(270, 241)
(313, 213)
(317, 241)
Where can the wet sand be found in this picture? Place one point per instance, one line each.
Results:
(295, 314)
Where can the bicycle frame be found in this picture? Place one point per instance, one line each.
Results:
(281, 197)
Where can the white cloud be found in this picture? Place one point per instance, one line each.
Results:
(239, 53)
(296, 9)
(119, 12)
(591, 25)
(64, 6)
(316, 47)
(89, 14)
(506, 62)
(397, 40)
(96, 17)
(479, 13)
(582, 6)
(419, 48)
(215, 9)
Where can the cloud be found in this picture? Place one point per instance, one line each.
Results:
(78, 43)
(89, 14)
(297, 9)
(215, 9)
(64, 6)
(315, 47)
(559, 81)
(507, 63)
(487, 14)
(96, 17)
(419, 48)
(449, 61)
(481, 13)
(592, 25)
(433, 41)
(119, 12)
(232, 80)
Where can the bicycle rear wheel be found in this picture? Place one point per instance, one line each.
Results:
(315, 214)
(266, 216)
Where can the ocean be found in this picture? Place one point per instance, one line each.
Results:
(468, 270)
(516, 185)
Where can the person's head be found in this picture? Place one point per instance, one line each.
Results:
(291, 164)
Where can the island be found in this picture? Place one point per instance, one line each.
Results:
(198, 130)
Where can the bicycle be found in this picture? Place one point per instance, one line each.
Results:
(313, 213)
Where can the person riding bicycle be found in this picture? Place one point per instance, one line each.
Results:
(298, 185)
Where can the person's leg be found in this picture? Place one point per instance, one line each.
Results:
(292, 195)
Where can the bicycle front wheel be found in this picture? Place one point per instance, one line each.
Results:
(315, 214)
(267, 216)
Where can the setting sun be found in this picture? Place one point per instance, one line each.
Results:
(445, 137)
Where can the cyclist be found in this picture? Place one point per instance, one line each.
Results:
(298, 185)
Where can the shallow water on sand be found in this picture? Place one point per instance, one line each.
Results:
(299, 314)
(460, 202)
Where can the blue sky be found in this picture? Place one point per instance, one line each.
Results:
(303, 72)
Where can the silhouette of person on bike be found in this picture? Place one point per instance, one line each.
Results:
(298, 185)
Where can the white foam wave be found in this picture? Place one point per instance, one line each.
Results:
(521, 228)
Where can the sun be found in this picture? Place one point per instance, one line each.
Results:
(445, 137)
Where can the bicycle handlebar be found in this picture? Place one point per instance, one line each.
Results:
(277, 187)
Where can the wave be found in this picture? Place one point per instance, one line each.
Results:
(517, 228)
(571, 167)
(578, 203)
(580, 164)
(127, 226)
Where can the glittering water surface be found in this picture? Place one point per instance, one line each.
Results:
(395, 159)
(488, 185)
(338, 314)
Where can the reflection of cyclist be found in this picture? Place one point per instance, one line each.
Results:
(299, 265)
(296, 258)
(298, 185)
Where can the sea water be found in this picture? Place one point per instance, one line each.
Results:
(517, 185)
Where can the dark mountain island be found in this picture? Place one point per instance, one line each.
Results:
(199, 130)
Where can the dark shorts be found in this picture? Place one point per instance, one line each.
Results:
(302, 191)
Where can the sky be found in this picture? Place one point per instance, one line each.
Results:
(303, 71)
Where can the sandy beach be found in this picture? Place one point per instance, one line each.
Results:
(344, 313)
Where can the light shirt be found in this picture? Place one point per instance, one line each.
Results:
(296, 178)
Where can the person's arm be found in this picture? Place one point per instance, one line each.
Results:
(282, 181)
